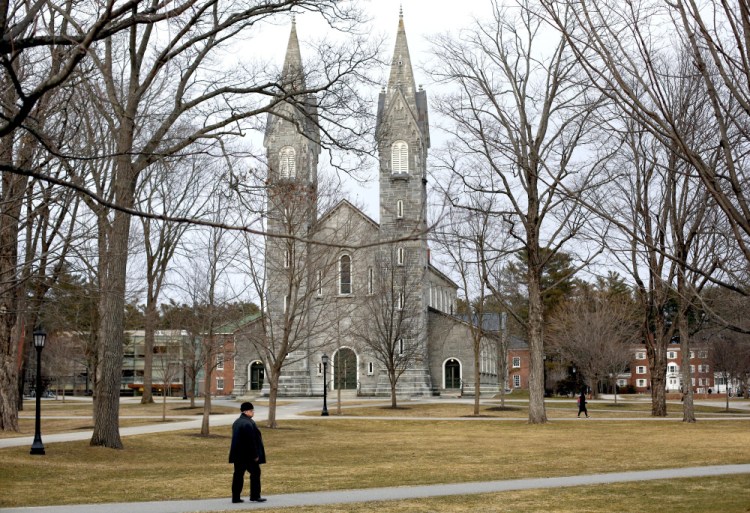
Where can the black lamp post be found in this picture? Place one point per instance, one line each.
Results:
(40, 337)
(324, 359)
(184, 383)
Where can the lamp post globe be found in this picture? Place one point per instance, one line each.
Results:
(324, 359)
(40, 338)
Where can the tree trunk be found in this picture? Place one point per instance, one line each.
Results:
(113, 272)
(13, 188)
(148, 351)
(537, 413)
(688, 409)
(394, 403)
(657, 356)
(273, 393)
(477, 376)
(205, 427)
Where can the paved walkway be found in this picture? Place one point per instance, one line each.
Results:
(388, 494)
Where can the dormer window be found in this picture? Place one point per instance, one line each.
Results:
(400, 158)
(287, 162)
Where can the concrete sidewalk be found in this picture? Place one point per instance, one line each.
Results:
(388, 494)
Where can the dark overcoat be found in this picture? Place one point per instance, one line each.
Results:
(247, 442)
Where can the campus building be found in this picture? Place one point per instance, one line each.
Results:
(638, 379)
(365, 276)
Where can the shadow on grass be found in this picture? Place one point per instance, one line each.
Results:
(504, 408)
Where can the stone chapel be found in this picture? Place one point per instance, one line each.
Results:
(368, 281)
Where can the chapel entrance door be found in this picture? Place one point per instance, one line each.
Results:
(345, 369)
(452, 374)
(257, 373)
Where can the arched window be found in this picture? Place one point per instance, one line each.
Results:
(345, 274)
(287, 162)
(399, 158)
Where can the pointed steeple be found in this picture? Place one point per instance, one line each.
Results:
(293, 74)
(402, 75)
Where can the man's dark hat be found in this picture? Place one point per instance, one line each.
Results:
(246, 407)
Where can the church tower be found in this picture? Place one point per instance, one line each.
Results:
(292, 148)
(403, 138)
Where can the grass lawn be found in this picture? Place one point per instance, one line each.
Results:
(556, 409)
(55, 411)
(330, 454)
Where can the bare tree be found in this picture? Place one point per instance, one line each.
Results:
(388, 327)
(157, 113)
(462, 238)
(521, 120)
(175, 188)
(56, 38)
(729, 358)
(295, 279)
(616, 42)
(596, 331)
(169, 371)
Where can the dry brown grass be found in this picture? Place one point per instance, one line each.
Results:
(555, 410)
(330, 454)
(55, 415)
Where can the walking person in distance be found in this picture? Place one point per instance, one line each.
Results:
(582, 404)
(247, 453)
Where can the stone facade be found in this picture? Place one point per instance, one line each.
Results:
(369, 279)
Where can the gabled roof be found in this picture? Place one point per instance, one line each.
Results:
(231, 327)
(346, 204)
(441, 274)
(391, 104)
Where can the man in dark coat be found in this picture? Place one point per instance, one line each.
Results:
(582, 404)
(247, 454)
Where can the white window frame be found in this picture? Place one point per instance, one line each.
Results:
(640, 355)
(671, 355)
(219, 383)
(400, 158)
(516, 381)
(673, 368)
(641, 383)
(220, 361)
(287, 162)
(640, 369)
(516, 362)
